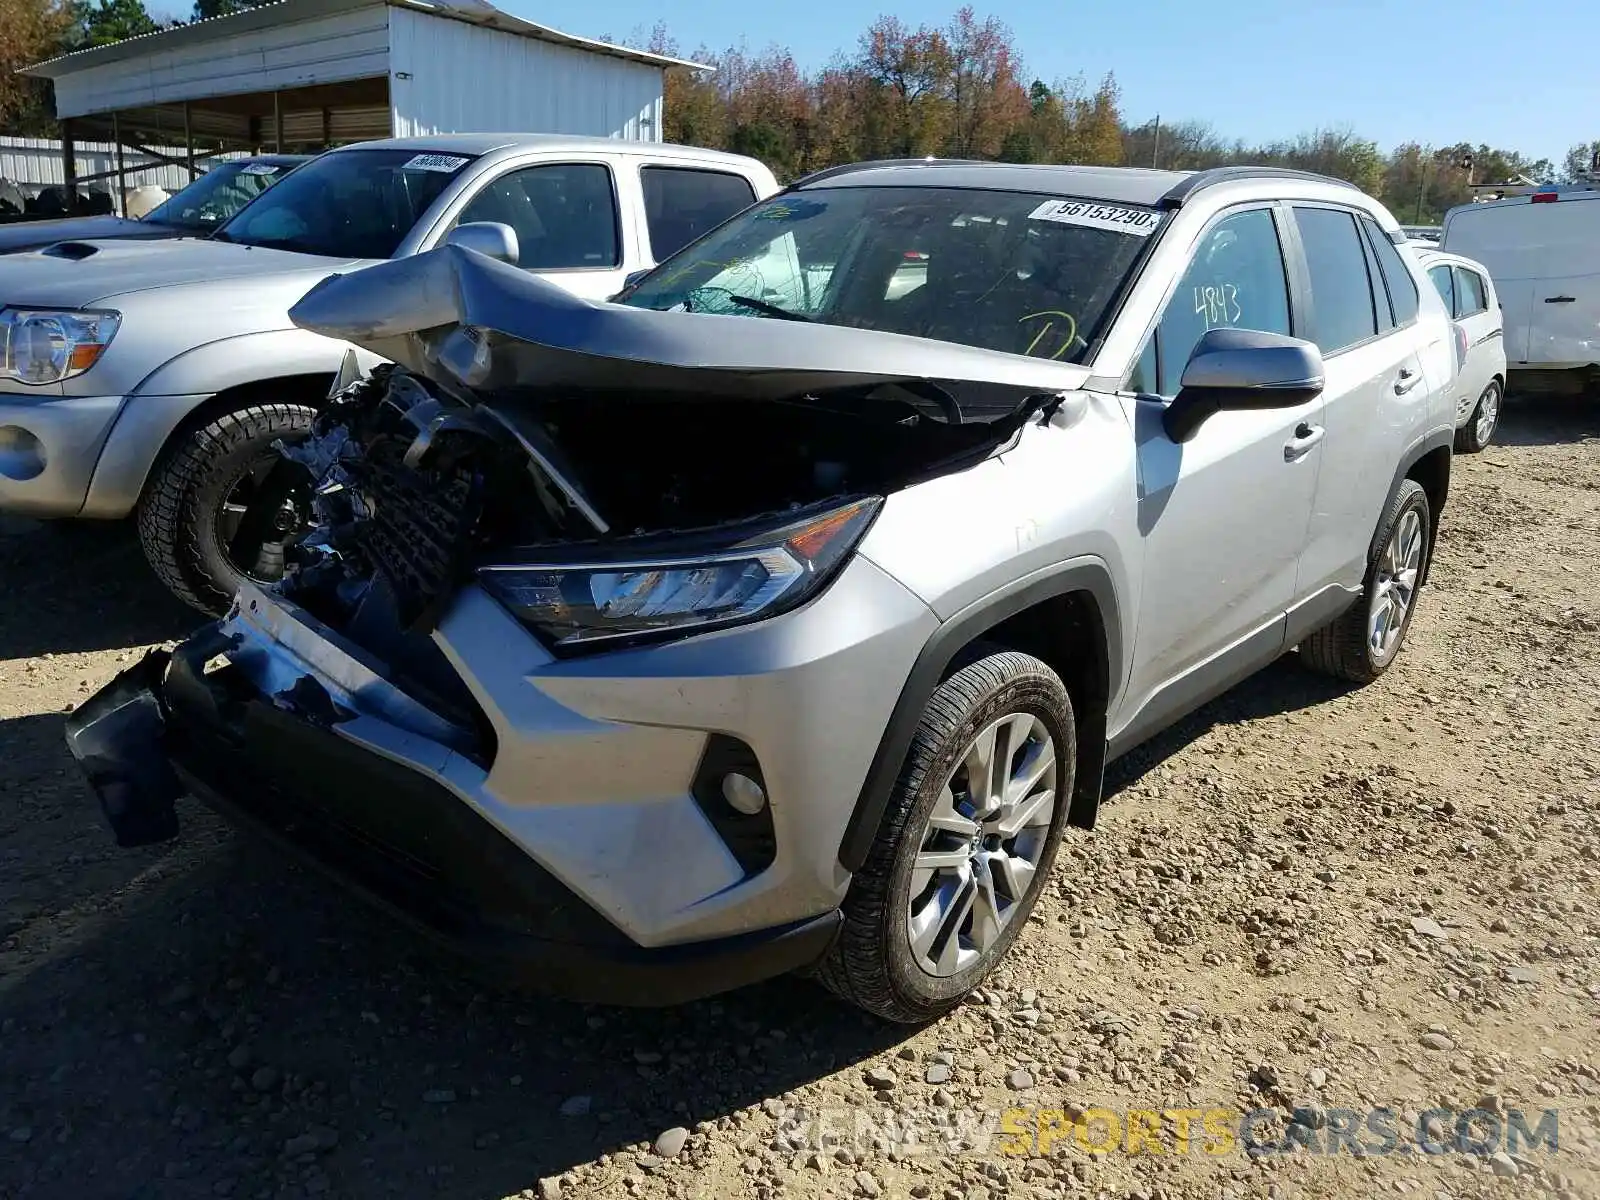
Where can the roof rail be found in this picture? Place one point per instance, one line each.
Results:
(1190, 184)
(851, 168)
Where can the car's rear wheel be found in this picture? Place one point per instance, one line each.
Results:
(220, 505)
(969, 836)
(1361, 644)
(1479, 429)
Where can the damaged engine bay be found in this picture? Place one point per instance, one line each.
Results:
(414, 489)
(506, 428)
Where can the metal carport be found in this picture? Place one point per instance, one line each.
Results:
(303, 75)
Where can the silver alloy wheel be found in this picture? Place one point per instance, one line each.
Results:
(982, 844)
(1395, 585)
(1488, 413)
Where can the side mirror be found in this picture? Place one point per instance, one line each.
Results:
(486, 237)
(1234, 369)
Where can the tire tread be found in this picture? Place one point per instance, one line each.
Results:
(856, 968)
(1339, 648)
(166, 513)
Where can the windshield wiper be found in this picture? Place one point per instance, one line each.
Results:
(772, 310)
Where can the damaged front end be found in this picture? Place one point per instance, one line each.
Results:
(609, 476)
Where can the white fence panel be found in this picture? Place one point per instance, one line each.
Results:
(38, 161)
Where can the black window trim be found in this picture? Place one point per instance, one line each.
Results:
(660, 164)
(1295, 297)
(1355, 214)
(616, 210)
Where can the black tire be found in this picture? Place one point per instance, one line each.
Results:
(1470, 439)
(181, 511)
(1341, 648)
(871, 963)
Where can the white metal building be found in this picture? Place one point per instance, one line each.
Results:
(298, 75)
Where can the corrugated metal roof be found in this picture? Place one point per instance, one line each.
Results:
(274, 12)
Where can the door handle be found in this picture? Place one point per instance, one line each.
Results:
(1408, 380)
(1559, 299)
(1305, 437)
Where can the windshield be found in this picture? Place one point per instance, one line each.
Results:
(217, 195)
(349, 204)
(1016, 272)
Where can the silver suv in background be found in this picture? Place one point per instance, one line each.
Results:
(785, 614)
(155, 377)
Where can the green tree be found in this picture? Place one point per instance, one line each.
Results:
(1581, 162)
(101, 22)
(221, 8)
(30, 31)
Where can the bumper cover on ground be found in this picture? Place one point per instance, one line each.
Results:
(164, 728)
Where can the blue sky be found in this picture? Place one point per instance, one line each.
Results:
(1524, 77)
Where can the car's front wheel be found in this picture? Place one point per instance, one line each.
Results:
(221, 503)
(967, 841)
(1479, 429)
(1360, 644)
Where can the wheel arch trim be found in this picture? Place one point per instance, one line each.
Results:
(1433, 443)
(1089, 575)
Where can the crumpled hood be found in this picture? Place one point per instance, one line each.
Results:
(455, 313)
(28, 235)
(116, 268)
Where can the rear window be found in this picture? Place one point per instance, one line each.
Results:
(1471, 295)
(1017, 272)
(683, 203)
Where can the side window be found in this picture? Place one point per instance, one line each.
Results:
(1471, 295)
(1402, 285)
(1235, 280)
(1341, 292)
(681, 203)
(565, 215)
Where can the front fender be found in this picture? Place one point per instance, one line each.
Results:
(1086, 574)
(168, 395)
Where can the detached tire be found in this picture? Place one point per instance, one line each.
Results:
(1363, 642)
(182, 514)
(1479, 430)
(966, 842)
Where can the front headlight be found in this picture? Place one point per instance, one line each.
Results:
(47, 345)
(579, 603)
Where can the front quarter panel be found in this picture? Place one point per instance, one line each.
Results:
(1067, 490)
(168, 395)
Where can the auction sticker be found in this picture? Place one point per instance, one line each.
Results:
(1093, 215)
(260, 168)
(435, 162)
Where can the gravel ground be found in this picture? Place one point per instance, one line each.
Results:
(1300, 906)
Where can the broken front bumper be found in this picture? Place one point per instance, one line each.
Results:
(174, 725)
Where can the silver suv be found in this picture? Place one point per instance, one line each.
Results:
(783, 614)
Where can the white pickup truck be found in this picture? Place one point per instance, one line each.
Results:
(154, 377)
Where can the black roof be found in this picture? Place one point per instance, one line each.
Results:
(1122, 185)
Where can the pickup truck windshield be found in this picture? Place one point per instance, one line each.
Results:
(1017, 272)
(348, 204)
(217, 195)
